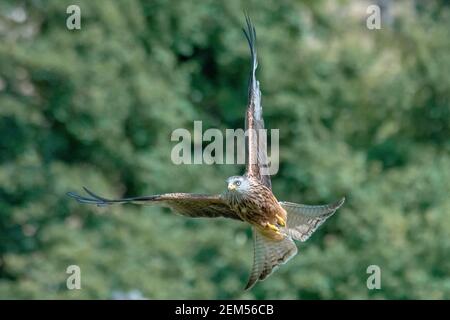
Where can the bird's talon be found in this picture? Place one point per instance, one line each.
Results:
(272, 227)
(281, 221)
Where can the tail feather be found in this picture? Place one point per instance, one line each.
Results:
(268, 256)
(303, 220)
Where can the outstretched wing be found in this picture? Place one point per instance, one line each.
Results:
(187, 204)
(303, 220)
(255, 140)
(268, 255)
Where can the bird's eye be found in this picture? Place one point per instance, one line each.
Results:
(238, 183)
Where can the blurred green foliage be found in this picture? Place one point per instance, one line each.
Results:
(362, 113)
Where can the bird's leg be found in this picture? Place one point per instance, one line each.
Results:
(273, 227)
(280, 220)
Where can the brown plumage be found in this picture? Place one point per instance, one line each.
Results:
(248, 198)
(259, 207)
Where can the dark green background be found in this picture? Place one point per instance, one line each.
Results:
(362, 113)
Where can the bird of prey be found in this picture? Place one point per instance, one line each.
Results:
(248, 198)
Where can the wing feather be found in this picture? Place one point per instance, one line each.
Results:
(187, 204)
(255, 140)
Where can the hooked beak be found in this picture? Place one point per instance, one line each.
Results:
(231, 187)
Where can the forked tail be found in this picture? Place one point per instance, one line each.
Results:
(268, 256)
(302, 221)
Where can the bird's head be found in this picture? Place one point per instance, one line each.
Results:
(239, 184)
